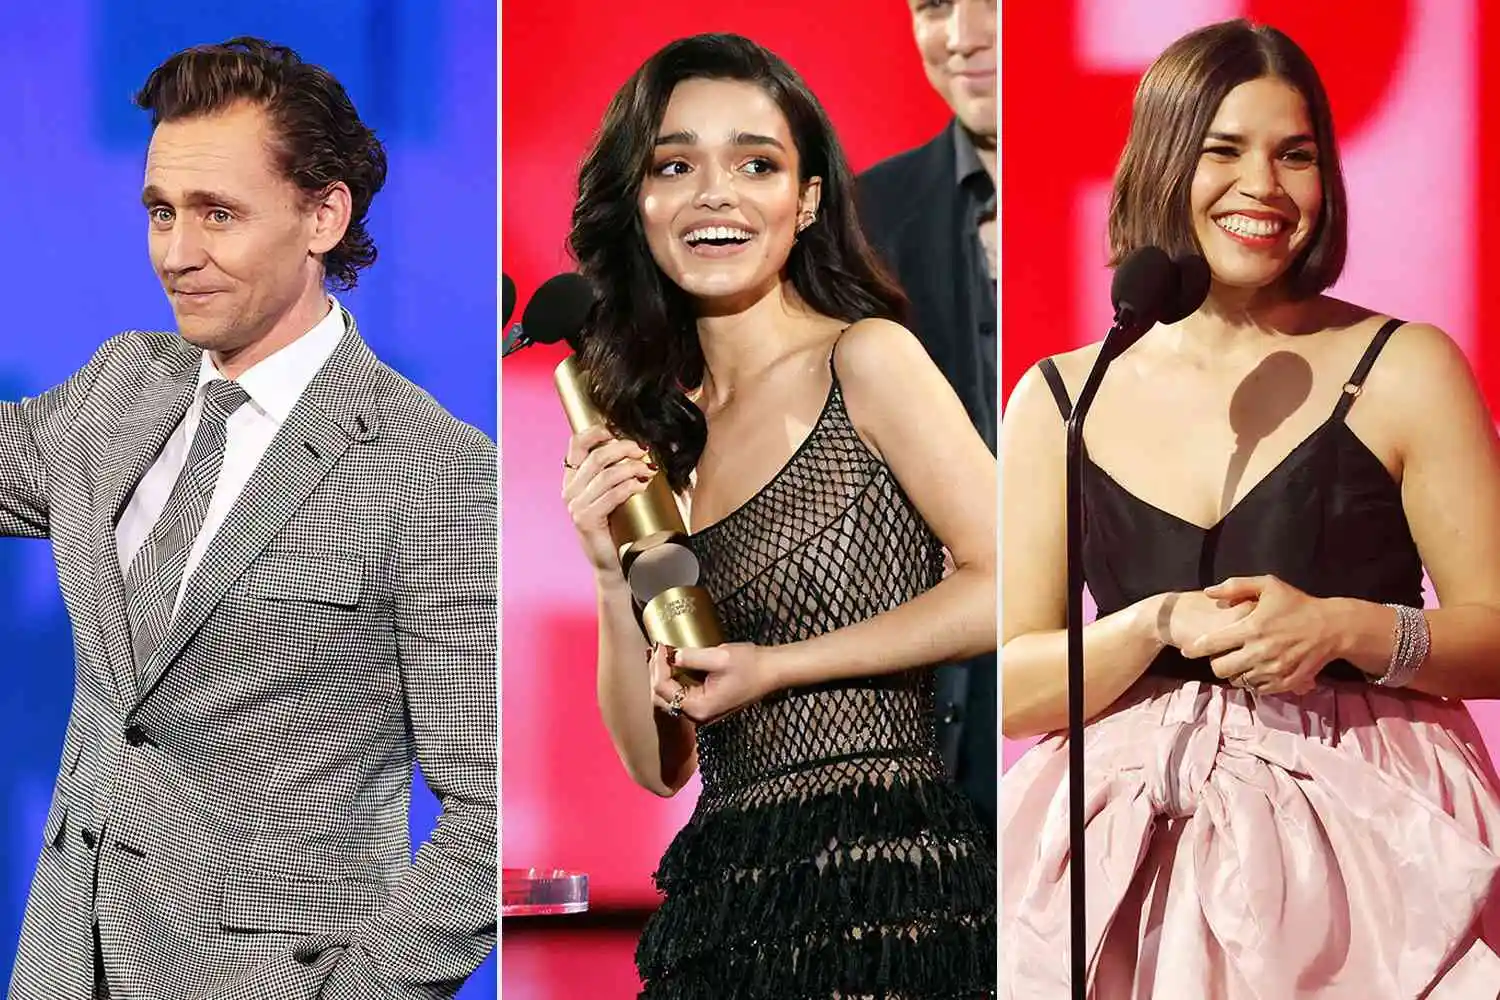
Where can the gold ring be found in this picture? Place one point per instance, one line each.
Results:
(675, 708)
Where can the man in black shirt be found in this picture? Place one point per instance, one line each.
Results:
(931, 214)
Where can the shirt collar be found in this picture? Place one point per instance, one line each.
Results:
(275, 384)
(966, 159)
(969, 172)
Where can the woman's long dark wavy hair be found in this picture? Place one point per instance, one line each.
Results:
(641, 345)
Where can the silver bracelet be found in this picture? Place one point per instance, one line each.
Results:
(1412, 641)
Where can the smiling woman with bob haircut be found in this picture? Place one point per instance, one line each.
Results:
(745, 336)
(1286, 796)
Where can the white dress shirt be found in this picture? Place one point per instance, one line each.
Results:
(274, 386)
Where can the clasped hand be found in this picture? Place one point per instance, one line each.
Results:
(1278, 646)
(734, 675)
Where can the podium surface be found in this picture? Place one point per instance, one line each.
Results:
(541, 892)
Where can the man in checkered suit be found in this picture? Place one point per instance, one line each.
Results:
(279, 561)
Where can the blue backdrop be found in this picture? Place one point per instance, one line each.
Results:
(74, 271)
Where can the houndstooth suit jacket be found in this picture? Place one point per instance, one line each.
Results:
(235, 815)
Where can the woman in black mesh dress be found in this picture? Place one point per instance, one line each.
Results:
(744, 334)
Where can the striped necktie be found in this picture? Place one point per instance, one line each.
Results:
(155, 575)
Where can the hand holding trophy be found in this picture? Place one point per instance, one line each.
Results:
(650, 538)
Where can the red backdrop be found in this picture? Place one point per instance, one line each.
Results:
(1416, 109)
(565, 799)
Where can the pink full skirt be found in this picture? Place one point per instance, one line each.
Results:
(1338, 845)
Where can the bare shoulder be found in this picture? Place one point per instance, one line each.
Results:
(883, 368)
(1424, 393)
(877, 349)
(902, 405)
(1427, 345)
(1421, 363)
(1032, 395)
(1076, 365)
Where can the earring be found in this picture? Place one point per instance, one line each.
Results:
(807, 220)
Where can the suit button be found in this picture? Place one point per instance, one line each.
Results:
(951, 714)
(134, 735)
(89, 840)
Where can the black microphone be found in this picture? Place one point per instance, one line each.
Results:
(1193, 279)
(556, 314)
(507, 298)
(1144, 286)
(1148, 288)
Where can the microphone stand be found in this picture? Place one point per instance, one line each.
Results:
(1122, 334)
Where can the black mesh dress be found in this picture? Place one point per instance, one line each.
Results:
(829, 855)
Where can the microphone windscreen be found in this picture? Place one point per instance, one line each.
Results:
(1192, 288)
(1144, 285)
(507, 299)
(558, 310)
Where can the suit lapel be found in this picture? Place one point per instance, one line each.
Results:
(336, 411)
(137, 441)
(946, 288)
(942, 285)
(945, 227)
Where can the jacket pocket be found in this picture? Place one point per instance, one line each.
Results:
(52, 829)
(298, 904)
(313, 578)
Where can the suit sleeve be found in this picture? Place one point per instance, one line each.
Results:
(439, 923)
(29, 434)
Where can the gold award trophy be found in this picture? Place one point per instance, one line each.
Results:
(651, 541)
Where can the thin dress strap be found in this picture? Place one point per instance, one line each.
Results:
(1356, 383)
(833, 351)
(1059, 390)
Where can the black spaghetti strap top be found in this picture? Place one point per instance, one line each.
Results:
(1327, 520)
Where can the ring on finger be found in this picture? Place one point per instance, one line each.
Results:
(675, 708)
